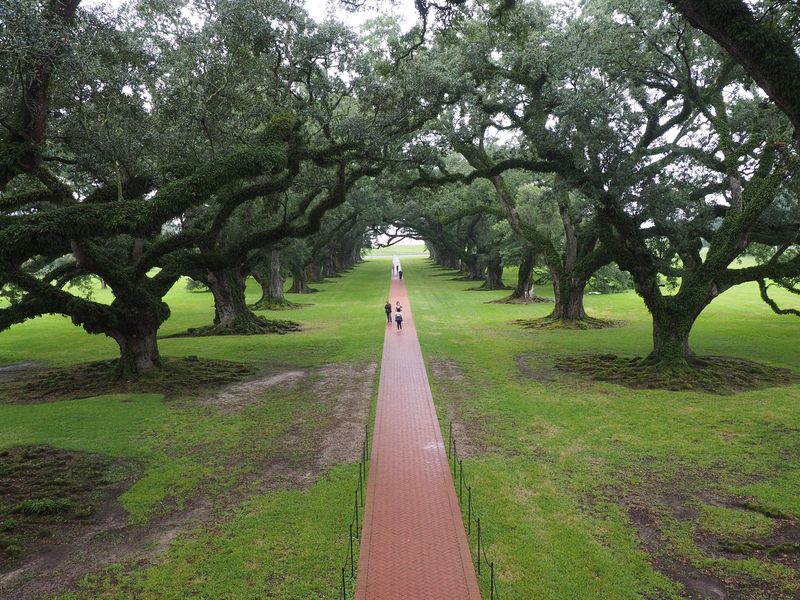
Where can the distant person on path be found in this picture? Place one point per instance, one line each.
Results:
(398, 307)
(398, 318)
(400, 273)
(388, 309)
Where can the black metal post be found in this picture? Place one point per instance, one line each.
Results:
(356, 505)
(454, 458)
(460, 482)
(352, 566)
(469, 510)
(491, 582)
(479, 546)
(450, 437)
(361, 485)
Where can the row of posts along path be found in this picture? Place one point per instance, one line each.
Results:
(413, 545)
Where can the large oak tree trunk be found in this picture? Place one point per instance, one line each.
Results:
(272, 282)
(568, 290)
(494, 274)
(138, 349)
(674, 317)
(314, 271)
(230, 307)
(300, 282)
(524, 288)
(133, 325)
(231, 313)
(671, 338)
(471, 267)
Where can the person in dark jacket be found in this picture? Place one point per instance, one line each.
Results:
(398, 318)
(388, 309)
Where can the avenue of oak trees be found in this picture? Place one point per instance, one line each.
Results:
(653, 142)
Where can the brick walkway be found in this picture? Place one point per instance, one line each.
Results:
(413, 545)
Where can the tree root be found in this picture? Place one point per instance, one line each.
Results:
(272, 305)
(488, 289)
(515, 300)
(713, 374)
(256, 326)
(556, 323)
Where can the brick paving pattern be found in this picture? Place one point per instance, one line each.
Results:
(413, 545)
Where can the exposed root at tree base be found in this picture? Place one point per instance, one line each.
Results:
(175, 376)
(513, 300)
(257, 326)
(555, 323)
(714, 374)
(286, 305)
(488, 289)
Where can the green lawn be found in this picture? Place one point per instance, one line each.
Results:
(189, 452)
(567, 474)
(399, 250)
(567, 463)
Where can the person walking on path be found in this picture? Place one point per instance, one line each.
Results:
(398, 318)
(400, 273)
(388, 309)
(398, 307)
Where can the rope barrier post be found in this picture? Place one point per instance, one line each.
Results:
(361, 466)
(460, 481)
(450, 437)
(344, 588)
(478, 553)
(491, 581)
(356, 505)
(469, 510)
(454, 458)
(352, 566)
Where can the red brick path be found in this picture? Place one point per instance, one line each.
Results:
(413, 544)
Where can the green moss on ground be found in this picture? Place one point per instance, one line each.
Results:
(712, 374)
(176, 376)
(551, 323)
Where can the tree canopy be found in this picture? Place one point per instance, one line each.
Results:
(214, 140)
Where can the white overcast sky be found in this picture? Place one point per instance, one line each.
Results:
(320, 9)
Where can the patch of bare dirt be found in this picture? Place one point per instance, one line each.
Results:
(450, 380)
(697, 583)
(781, 546)
(653, 508)
(349, 388)
(16, 367)
(535, 367)
(51, 501)
(238, 395)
